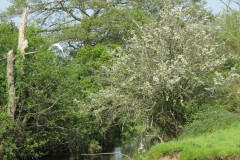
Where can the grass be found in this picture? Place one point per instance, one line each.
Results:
(222, 143)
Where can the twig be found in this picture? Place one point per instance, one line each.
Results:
(227, 5)
(29, 53)
(112, 153)
(160, 138)
(238, 3)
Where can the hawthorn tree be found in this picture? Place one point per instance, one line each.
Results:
(163, 71)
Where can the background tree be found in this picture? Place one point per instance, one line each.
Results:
(91, 22)
(8, 41)
(230, 21)
(47, 118)
(87, 22)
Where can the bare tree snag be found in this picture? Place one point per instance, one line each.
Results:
(22, 45)
(22, 42)
(11, 86)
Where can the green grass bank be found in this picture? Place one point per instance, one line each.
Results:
(222, 144)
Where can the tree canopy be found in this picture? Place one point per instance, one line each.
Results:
(129, 69)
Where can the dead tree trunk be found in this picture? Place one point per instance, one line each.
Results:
(22, 45)
(11, 86)
(22, 42)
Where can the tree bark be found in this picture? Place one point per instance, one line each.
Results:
(22, 42)
(22, 45)
(11, 86)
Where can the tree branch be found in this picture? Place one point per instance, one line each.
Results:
(69, 11)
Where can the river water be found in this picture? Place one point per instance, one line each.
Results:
(115, 155)
(126, 151)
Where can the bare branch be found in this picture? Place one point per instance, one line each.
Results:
(227, 5)
(70, 12)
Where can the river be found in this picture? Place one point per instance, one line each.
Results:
(126, 151)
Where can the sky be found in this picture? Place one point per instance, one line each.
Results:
(215, 5)
(3, 4)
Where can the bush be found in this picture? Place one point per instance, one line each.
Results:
(7, 145)
(209, 121)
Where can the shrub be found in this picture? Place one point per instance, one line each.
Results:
(209, 121)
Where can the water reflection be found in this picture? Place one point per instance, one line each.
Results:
(118, 153)
(125, 151)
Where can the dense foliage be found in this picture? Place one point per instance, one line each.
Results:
(128, 69)
(162, 72)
